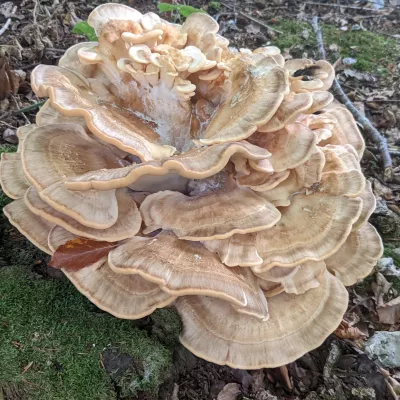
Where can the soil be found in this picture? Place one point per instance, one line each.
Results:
(337, 369)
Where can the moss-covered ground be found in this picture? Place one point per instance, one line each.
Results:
(373, 52)
(48, 329)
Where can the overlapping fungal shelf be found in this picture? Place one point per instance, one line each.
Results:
(230, 182)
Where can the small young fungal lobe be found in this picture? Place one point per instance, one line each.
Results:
(229, 185)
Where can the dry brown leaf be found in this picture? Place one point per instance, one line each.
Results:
(79, 253)
(7, 85)
(389, 313)
(345, 331)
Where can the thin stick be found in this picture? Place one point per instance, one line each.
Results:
(5, 27)
(369, 129)
(18, 107)
(394, 153)
(35, 11)
(344, 6)
(5, 123)
(252, 19)
(8, 22)
(383, 101)
(56, 50)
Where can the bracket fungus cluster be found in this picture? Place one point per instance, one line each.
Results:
(227, 181)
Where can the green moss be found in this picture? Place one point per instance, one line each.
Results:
(293, 34)
(8, 148)
(373, 52)
(49, 324)
(215, 5)
(166, 325)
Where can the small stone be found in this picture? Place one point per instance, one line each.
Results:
(349, 61)
(384, 349)
(10, 136)
(386, 267)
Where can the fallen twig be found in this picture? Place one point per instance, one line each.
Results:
(368, 128)
(5, 27)
(383, 101)
(252, 19)
(333, 357)
(345, 6)
(55, 50)
(18, 108)
(285, 377)
(394, 153)
(8, 22)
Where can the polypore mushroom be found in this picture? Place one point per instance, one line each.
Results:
(296, 280)
(213, 331)
(368, 206)
(291, 106)
(189, 270)
(126, 226)
(52, 153)
(208, 216)
(345, 131)
(34, 228)
(289, 147)
(311, 229)
(195, 164)
(226, 183)
(257, 89)
(307, 76)
(12, 178)
(356, 258)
